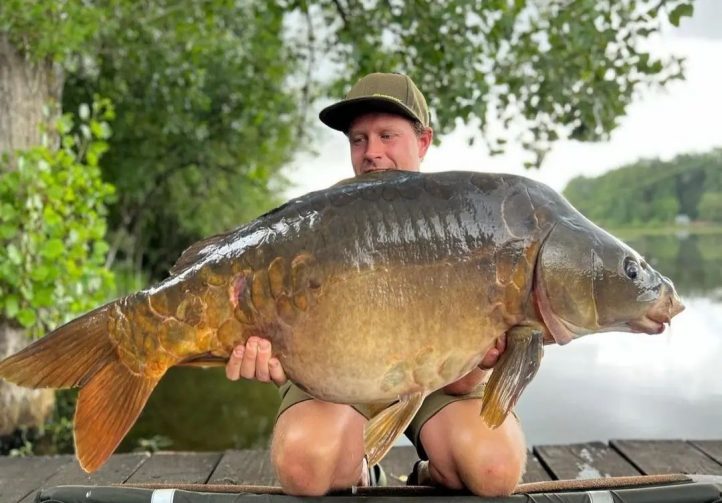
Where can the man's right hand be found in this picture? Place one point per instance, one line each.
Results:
(253, 360)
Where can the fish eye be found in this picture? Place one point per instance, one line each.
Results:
(631, 268)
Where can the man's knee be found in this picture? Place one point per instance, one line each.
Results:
(497, 463)
(313, 449)
(465, 452)
(303, 463)
(495, 474)
(486, 471)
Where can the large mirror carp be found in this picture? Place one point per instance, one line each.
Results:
(378, 290)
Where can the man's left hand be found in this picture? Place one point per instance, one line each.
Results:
(492, 356)
(470, 381)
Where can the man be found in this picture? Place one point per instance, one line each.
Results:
(318, 446)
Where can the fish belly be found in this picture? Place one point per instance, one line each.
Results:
(377, 335)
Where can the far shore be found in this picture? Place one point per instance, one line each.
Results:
(697, 228)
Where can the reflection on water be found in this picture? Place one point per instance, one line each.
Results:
(599, 387)
(693, 262)
(631, 385)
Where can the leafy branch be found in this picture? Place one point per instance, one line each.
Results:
(52, 224)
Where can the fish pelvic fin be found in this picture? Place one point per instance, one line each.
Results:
(516, 368)
(67, 357)
(384, 428)
(107, 407)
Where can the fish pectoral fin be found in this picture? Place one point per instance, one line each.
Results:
(107, 407)
(383, 429)
(516, 368)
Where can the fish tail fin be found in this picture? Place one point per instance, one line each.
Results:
(108, 405)
(81, 354)
(65, 358)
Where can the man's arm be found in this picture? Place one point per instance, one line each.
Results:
(480, 374)
(253, 361)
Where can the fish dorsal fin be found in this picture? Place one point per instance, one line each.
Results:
(198, 251)
(516, 368)
(383, 430)
(388, 174)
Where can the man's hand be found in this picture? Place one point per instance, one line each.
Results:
(492, 356)
(253, 361)
(470, 381)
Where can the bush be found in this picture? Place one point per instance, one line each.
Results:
(52, 224)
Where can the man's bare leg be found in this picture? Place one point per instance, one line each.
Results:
(464, 452)
(317, 447)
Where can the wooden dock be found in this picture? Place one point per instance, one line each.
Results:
(21, 478)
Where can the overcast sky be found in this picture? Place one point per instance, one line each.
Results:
(685, 118)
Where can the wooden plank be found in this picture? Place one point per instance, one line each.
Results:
(254, 467)
(713, 448)
(21, 477)
(167, 467)
(535, 471)
(117, 470)
(666, 456)
(591, 460)
(398, 464)
(248, 466)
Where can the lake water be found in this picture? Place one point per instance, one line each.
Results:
(596, 388)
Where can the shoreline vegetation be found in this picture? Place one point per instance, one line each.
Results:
(694, 228)
(654, 197)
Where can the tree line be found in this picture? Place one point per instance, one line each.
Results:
(653, 192)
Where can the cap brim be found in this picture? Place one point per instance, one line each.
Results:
(340, 115)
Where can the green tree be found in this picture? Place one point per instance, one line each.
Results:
(690, 184)
(206, 118)
(710, 207)
(664, 209)
(651, 191)
(552, 69)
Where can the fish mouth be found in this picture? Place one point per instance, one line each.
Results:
(653, 322)
(659, 315)
(647, 325)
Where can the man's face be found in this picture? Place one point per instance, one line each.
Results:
(381, 141)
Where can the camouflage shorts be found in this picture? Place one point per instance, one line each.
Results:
(292, 394)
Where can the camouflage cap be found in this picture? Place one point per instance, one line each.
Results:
(384, 92)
